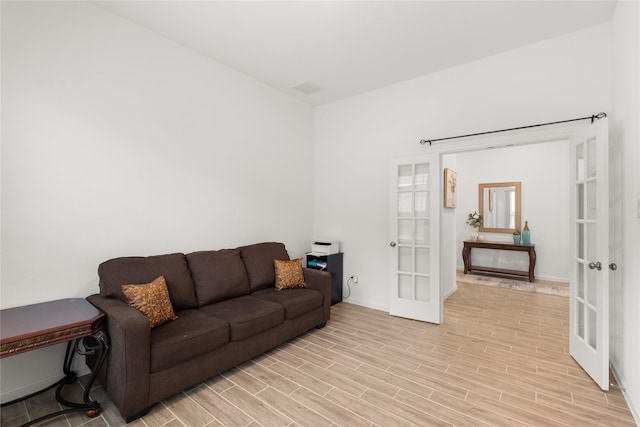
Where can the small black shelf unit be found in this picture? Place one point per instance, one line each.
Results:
(333, 264)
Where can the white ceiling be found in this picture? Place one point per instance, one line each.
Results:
(351, 47)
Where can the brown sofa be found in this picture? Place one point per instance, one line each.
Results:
(228, 312)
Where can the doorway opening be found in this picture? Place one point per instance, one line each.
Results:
(588, 224)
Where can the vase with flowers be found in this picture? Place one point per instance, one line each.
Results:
(474, 220)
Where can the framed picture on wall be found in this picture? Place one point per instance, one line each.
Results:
(450, 183)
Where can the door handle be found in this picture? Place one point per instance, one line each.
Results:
(392, 244)
(595, 265)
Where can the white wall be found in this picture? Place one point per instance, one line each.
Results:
(356, 138)
(116, 142)
(448, 248)
(624, 136)
(543, 170)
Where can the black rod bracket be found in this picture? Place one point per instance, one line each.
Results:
(598, 117)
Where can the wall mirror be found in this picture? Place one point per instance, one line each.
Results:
(499, 206)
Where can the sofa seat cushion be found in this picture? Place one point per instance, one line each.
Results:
(192, 334)
(296, 302)
(218, 275)
(247, 315)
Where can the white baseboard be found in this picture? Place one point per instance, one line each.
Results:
(18, 390)
(635, 412)
(386, 308)
(366, 304)
(25, 389)
(451, 291)
(553, 279)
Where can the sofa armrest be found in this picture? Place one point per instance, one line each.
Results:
(320, 281)
(129, 360)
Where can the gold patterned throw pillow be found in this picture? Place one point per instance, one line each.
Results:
(289, 274)
(152, 299)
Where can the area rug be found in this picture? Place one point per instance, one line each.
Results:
(519, 285)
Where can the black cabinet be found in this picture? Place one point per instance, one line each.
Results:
(333, 264)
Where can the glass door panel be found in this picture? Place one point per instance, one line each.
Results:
(405, 286)
(422, 176)
(591, 200)
(422, 236)
(580, 200)
(405, 203)
(422, 260)
(405, 259)
(405, 177)
(422, 204)
(405, 231)
(422, 289)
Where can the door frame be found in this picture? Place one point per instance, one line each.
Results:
(552, 133)
(531, 136)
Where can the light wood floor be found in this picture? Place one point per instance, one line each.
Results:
(500, 358)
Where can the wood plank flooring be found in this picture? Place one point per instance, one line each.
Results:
(500, 358)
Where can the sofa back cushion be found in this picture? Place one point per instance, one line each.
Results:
(218, 275)
(258, 260)
(130, 270)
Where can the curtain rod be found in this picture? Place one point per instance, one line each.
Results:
(593, 118)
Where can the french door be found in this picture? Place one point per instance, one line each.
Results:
(415, 238)
(415, 242)
(589, 270)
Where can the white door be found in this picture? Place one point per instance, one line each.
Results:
(589, 271)
(415, 238)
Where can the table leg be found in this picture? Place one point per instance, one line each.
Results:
(466, 259)
(532, 264)
(96, 344)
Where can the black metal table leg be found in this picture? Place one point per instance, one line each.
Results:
(97, 344)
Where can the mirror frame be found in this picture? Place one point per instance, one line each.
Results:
(481, 188)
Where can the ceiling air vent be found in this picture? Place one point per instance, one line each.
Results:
(308, 88)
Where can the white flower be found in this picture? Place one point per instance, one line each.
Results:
(474, 219)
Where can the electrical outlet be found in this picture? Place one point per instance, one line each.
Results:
(354, 278)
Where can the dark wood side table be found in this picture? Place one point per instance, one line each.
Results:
(74, 321)
(503, 246)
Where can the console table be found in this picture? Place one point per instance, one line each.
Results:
(503, 246)
(74, 321)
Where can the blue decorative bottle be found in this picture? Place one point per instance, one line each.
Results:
(526, 234)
